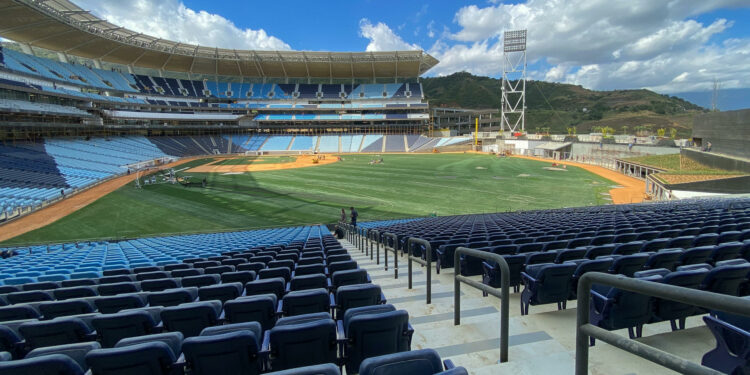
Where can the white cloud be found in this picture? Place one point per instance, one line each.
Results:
(382, 38)
(172, 20)
(601, 44)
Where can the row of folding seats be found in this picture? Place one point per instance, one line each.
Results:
(732, 334)
(613, 308)
(191, 318)
(631, 242)
(557, 283)
(89, 261)
(204, 356)
(624, 263)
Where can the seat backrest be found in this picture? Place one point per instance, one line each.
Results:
(275, 286)
(113, 304)
(348, 277)
(221, 292)
(157, 285)
(259, 308)
(696, 255)
(200, 281)
(305, 302)
(218, 270)
(726, 279)
(415, 362)
(627, 248)
(241, 277)
(269, 273)
(58, 331)
(150, 358)
(29, 296)
(74, 292)
(340, 266)
(56, 309)
(18, 312)
(349, 296)
(117, 288)
(58, 364)
(111, 328)
(371, 335)
(627, 265)
(252, 266)
(312, 281)
(191, 318)
(310, 269)
(303, 344)
(172, 297)
(226, 353)
(186, 272)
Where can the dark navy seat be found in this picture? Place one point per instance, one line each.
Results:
(415, 362)
(614, 309)
(311, 281)
(305, 302)
(276, 286)
(172, 297)
(349, 277)
(225, 353)
(58, 331)
(111, 328)
(302, 340)
(149, 358)
(53, 364)
(372, 331)
(221, 292)
(546, 283)
(259, 308)
(191, 318)
(359, 295)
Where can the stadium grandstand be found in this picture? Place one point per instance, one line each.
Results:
(176, 209)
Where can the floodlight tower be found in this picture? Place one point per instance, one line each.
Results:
(513, 96)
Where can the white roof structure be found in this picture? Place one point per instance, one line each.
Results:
(60, 25)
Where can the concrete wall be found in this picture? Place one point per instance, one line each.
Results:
(619, 150)
(717, 161)
(736, 185)
(728, 132)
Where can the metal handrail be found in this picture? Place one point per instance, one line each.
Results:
(503, 294)
(386, 248)
(374, 234)
(694, 297)
(427, 263)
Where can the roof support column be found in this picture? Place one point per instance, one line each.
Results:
(97, 63)
(62, 57)
(26, 48)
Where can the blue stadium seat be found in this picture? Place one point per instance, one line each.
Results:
(614, 309)
(373, 331)
(349, 277)
(415, 362)
(172, 297)
(259, 308)
(302, 340)
(111, 328)
(221, 292)
(57, 364)
(150, 358)
(324, 369)
(305, 302)
(546, 283)
(225, 353)
(56, 309)
(58, 331)
(76, 352)
(350, 296)
(276, 286)
(732, 352)
(677, 312)
(191, 318)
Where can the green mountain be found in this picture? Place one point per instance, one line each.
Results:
(559, 106)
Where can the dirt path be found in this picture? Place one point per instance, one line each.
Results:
(65, 207)
(632, 190)
(301, 161)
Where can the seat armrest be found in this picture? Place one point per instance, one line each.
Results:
(265, 347)
(596, 295)
(369, 280)
(288, 287)
(383, 301)
(525, 276)
(280, 308)
(329, 286)
(340, 334)
(448, 364)
(332, 301)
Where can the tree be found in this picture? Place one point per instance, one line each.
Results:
(661, 132)
(673, 133)
(597, 129)
(624, 129)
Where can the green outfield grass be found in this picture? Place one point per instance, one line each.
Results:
(403, 186)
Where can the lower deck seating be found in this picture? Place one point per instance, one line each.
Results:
(239, 312)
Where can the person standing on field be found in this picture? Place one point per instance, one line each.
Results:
(343, 215)
(354, 215)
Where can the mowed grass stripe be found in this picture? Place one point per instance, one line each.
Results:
(403, 186)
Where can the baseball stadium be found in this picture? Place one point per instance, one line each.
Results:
(170, 208)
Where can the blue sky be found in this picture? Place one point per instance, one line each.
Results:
(667, 46)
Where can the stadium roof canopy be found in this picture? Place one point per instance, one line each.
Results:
(62, 26)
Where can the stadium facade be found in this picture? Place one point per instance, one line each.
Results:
(107, 77)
